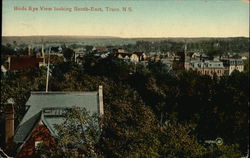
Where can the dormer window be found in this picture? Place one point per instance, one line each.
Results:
(54, 111)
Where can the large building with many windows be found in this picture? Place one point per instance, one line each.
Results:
(208, 67)
(233, 64)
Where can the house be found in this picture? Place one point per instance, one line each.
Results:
(24, 62)
(119, 50)
(44, 111)
(244, 58)
(124, 56)
(79, 54)
(99, 48)
(196, 55)
(134, 57)
(233, 64)
(104, 55)
(208, 67)
(140, 56)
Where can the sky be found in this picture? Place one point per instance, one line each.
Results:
(147, 18)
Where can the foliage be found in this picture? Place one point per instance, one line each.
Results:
(139, 99)
(177, 140)
(111, 67)
(128, 129)
(211, 46)
(246, 65)
(68, 53)
(223, 151)
(77, 137)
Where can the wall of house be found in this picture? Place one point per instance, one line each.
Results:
(210, 72)
(237, 67)
(134, 58)
(39, 134)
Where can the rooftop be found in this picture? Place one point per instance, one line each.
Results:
(39, 101)
(22, 62)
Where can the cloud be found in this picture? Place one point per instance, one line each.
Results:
(247, 1)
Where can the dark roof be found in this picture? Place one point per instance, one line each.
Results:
(23, 62)
(39, 101)
(138, 53)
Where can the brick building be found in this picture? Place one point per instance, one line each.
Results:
(44, 111)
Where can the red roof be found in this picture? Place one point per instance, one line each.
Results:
(23, 62)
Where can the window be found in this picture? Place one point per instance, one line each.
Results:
(47, 110)
(54, 111)
(37, 143)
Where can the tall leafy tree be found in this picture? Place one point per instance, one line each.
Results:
(78, 136)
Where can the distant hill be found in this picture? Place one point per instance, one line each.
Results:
(101, 40)
(54, 39)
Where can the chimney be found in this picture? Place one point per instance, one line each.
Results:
(9, 124)
(100, 93)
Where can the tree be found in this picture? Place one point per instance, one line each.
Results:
(77, 136)
(88, 48)
(136, 103)
(129, 126)
(246, 66)
(177, 140)
(223, 151)
(68, 53)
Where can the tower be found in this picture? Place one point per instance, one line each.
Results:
(186, 58)
(185, 49)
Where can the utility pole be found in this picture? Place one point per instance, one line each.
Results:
(43, 55)
(47, 79)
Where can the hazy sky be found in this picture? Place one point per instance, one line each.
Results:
(148, 18)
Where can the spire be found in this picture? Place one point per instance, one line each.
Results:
(185, 49)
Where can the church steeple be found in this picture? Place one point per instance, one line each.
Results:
(185, 49)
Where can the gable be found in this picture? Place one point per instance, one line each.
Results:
(39, 133)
